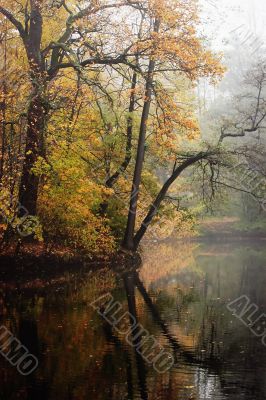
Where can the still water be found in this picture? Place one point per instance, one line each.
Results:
(179, 295)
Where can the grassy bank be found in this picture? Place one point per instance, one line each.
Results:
(231, 227)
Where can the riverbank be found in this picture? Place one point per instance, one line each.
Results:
(223, 228)
(37, 258)
(34, 260)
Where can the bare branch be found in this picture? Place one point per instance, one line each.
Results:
(17, 24)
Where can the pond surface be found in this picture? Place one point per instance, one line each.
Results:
(179, 297)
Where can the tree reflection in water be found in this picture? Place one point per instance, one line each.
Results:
(181, 302)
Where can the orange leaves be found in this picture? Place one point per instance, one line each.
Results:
(177, 46)
(91, 122)
(171, 11)
(176, 120)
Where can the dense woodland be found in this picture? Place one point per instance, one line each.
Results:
(106, 134)
(132, 199)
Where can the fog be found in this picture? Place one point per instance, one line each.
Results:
(223, 18)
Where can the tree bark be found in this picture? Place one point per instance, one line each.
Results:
(3, 111)
(128, 242)
(29, 184)
(28, 190)
(3, 133)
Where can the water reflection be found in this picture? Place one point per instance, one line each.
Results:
(179, 296)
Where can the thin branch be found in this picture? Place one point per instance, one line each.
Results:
(17, 24)
(237, 189)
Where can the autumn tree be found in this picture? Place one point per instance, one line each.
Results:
(103, 114)
(172, 46)
(58, 35)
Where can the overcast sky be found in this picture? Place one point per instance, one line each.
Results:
(221, 17)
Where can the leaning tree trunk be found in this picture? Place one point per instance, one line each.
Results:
(128, 242)
(161, 196)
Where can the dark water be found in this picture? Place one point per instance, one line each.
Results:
(179, 296)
